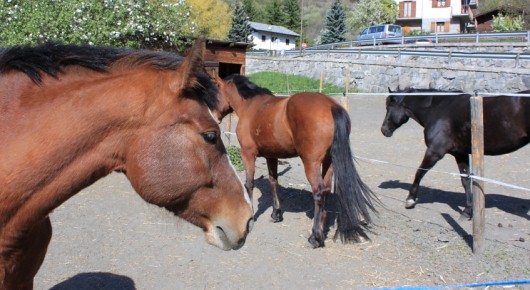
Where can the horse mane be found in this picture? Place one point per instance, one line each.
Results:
(245, 87)
(51, 58)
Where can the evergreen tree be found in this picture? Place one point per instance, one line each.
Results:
(335, 29)
(241, 29)
(292, 14)
(275, 14)
(250, 9)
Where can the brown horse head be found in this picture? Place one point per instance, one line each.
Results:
(73, 114)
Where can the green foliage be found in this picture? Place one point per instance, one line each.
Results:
(335, 29)
(122, 23)
(250, 9)
(211, 18)
(292, 14)
(280, 83)
(241, 29)
(507, 23)
(416, 32)
(372, 12)
(234, 153)
(275, 13)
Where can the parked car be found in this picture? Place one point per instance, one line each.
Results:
(421, 40)
(381, 33)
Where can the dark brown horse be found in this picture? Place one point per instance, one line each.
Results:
(312, 126)
(70, 115)
(447, 129)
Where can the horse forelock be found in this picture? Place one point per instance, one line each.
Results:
(203, 90)
(52, 58)
(245, 87)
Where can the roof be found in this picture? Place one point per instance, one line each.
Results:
(272, 28)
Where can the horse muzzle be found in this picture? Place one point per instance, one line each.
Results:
(226, 237)
(387, 132)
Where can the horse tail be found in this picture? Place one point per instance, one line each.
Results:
(353, 196)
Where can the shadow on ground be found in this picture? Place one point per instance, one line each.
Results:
(513, 205)
(96, 280)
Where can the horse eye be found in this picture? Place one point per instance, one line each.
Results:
(210, 137)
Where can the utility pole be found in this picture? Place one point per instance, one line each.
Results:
(301, 25)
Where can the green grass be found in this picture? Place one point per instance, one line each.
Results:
(235, 157)
(280, 83)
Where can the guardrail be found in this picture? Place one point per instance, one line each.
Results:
(435, 38)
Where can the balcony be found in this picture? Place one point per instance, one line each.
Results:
(462, 11)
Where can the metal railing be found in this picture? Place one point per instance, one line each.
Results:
(435, 38)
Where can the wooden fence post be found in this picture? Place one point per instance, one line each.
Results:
(321, 80)
(345, 103)
(228, 128)
(477, 169)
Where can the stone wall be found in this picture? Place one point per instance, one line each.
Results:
(377, 73)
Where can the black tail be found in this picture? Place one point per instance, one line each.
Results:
(354, 198)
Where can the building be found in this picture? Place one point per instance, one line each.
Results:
(223, 58)
(272, 37)
(437, 16)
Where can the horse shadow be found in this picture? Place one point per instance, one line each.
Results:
(456, 200)
(293, 200)
(96, 280)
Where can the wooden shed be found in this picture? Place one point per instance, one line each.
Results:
(224, 58)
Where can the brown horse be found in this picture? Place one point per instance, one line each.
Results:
(312, 126)
(70, 115)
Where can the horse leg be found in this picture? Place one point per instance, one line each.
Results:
(462, 161)
(249, 162)
(17, 271)
(277, 214)
(429, 160)
(312, 171)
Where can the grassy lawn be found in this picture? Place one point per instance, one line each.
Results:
(280, 83)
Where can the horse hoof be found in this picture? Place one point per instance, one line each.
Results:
(410, 203)
(467, 213)
(315, 243)
(277, 216)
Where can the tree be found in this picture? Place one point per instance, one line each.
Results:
(212, 18)
(335, 29)
(275, 14)
(507, 23)
(292, 14)
(250, 9)
(122, 23)
(241, 29)
(372, 12)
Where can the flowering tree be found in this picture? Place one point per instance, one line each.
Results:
(122, 23)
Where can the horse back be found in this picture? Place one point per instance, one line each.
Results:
(506, 124)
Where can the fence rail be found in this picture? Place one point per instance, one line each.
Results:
(435, 38)
(348, 47)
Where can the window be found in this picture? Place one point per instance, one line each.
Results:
(263, 38)
(287, 41)
(407, 9)
(440, 26)
(273, 39)
(441, 3)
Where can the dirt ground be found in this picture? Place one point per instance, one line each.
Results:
(106, 237)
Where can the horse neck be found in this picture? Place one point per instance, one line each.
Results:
(417, 111)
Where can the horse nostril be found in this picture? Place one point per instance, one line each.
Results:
(250, 224)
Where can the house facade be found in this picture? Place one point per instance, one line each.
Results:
(272, 37)
(436, 16)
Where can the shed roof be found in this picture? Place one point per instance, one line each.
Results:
(272, 28)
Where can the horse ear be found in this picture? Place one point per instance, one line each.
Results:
(389, 90)
(192, 66)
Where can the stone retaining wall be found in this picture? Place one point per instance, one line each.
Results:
(377, 73)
